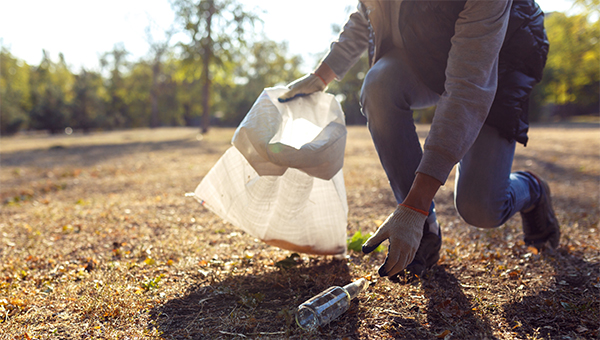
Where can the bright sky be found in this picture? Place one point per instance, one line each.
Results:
(83, 30)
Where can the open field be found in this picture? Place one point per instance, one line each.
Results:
(97, 240)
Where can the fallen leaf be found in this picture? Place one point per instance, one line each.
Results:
(443, 334)
(444, 303)
(17, 302)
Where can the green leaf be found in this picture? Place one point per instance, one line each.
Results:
(358, 239)
(152, 283)
(289, 262)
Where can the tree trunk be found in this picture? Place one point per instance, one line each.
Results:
(154, 95)
(206, 96)
(208, 52)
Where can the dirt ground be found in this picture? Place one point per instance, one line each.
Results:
(98, 240)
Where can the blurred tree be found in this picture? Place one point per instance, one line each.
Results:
(89, 101)
(51, 93)
(185, 75)
(169, 108)
(137, 84)
(589, 7)
(265, 64)
(158, 50)
(117, 114)
(572, 76)
(217, 29)
(15, 94)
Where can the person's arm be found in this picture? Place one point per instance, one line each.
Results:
(471, 81)
(325, 73)
(343, 54)
(352, 42)
(422, 192)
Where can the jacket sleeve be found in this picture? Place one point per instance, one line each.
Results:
(352, 42)
(470, 87)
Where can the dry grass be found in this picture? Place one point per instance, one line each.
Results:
(98, 241)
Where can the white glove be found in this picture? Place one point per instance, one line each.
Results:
(306, 85)
(404, 229)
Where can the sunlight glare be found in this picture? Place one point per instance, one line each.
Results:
(299, 132)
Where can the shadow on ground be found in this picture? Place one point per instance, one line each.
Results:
(448, 313)
(571, 306)
(89, 155)
(450, 309)
(260, 305)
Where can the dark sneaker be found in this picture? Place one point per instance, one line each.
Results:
(428, 253)
(540, 225)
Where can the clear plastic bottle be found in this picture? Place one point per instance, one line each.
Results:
(328, 305)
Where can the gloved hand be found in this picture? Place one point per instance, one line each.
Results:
(306, 85)
(404, 229)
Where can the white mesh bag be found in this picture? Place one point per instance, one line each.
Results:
(282, 179)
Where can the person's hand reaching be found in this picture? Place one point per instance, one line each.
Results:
(306, 85)
(404, 229)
